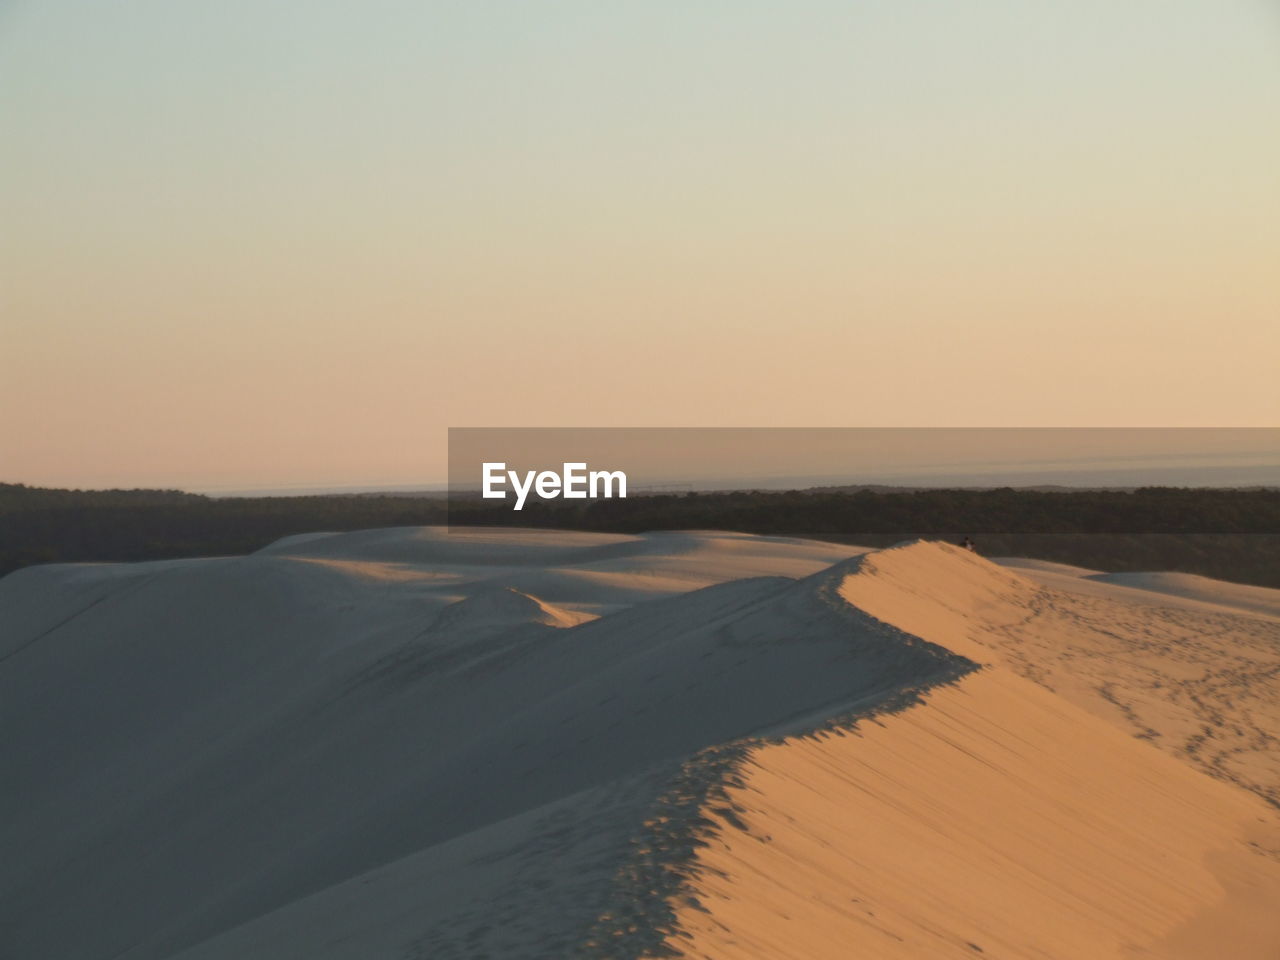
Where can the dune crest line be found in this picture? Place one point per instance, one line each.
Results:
(417, 743)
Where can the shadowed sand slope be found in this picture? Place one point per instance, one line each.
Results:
(203, 744)
(520, 744)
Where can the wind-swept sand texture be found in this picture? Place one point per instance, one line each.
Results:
(1199, 679)
(492, 744)
(1236, 596)
(995, 820)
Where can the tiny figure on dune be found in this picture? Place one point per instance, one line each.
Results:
(969, 545)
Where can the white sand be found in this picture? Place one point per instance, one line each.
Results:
(407, 743)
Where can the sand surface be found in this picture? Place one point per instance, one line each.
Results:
(418, 744)
(995, 820)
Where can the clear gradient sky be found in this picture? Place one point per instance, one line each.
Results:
(275, 242)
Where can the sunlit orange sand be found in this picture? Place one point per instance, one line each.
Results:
(995, 819)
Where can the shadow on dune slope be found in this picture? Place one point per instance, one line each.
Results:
(213, 742)
(285, 756)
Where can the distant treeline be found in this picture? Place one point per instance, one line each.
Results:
(1230, 534)
(39, 525)
(906, 513)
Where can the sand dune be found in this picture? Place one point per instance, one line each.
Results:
(1034, 566)
(409, 743)
(994, 820)
(1181, 590)
(1194, 587)
(1201, 680)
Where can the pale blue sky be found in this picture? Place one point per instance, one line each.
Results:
(286, 242)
